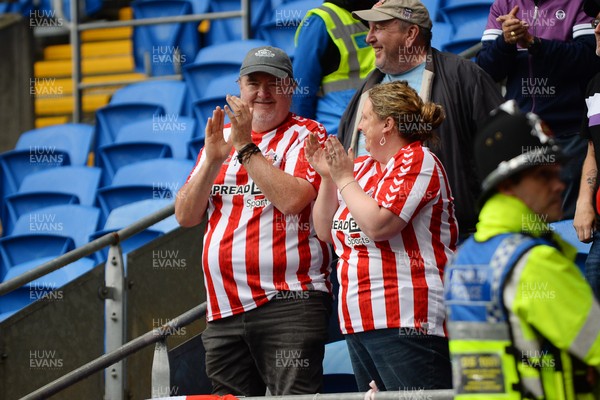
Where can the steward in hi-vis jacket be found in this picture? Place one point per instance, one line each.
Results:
(523, 322)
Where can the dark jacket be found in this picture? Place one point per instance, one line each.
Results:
(549, 79)
(467, 94)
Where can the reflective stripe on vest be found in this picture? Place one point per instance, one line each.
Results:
(357, 58)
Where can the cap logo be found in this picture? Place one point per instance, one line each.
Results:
(264, 53)
(407, 13)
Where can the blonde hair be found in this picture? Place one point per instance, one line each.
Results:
(415, 119)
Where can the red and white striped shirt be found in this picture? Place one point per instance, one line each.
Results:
(252, 250)
(397, 283)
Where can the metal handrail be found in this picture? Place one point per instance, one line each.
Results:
(119, 354)
(416, 394)
(471, 51)
(76, 28)
(87, 249)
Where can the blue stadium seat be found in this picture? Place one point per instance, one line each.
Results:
(215, 95)
(54, 186)
(441, 34)
(214, 61)
(171, 95)
(164, 48)
(465, 37)
(566, 230)
(200, 6)
(194, 147)
(110, 119)
(474, 15)
(74, 221)
(451, 3)
(21, 203)
(338, 376)
(23, 7)
(150, 179)
(126, 215)
(111, 157)
(43, 288)
(224, 30)
(91, 7)
(74, 139)
(280, 29)
(175, 132)
(20, 249)
(15, 165)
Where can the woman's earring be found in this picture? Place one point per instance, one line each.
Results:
(382, 141)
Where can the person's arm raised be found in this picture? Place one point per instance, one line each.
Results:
(192, 199)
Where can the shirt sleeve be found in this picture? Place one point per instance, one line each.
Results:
(408, 185)
(296, 163)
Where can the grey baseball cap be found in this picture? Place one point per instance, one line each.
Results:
(412, 11)
(271, 60)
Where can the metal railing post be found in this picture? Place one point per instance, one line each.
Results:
(114, 317)
(246, 19)
(76, 60)
(161, 371)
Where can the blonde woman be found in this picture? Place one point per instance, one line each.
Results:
(390, 217)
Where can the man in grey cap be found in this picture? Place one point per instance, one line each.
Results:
(400, 33)
(265, 272)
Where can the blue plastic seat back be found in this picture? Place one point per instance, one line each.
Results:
(171, 95)
(80, 181)
(145, 180)
(165, 48)
(194, 147)
(19, 249)
(127, 214)
(470, 18)
(127, 245)
(114, 156)
(215, 95)
(224, 30)
(200, 6)
(111, 118)
(166, 173)
(19, 204)
(15, 165)
(441, 33)
(43, 288)
(23, 7)
(451, 3)
(91, 7)
(233, 51)
(69, 220)
(174, 132)
(279, 30)
(74, 139)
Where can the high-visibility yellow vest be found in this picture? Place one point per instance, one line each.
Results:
(357, 58)
(492, 359)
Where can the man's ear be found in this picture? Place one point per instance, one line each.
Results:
(412, 35)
